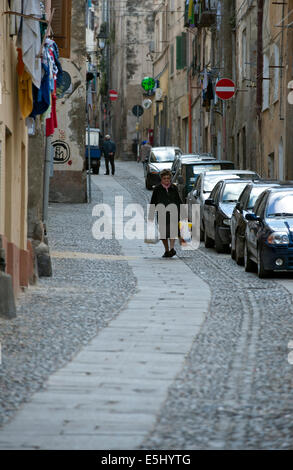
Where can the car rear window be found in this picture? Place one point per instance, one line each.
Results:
(255, 192)
(232, 191)
(211, 180)
(163, 156)
(280, 204)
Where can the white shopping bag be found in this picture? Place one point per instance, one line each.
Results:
(152, 235)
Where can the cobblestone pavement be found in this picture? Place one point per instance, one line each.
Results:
(59, 315)
(235, 390)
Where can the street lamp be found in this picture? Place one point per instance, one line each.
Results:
(102, 37)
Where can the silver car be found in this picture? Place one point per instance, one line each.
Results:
(160, 158)
(205, 184)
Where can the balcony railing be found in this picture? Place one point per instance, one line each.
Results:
(207, 13)
(201, 13)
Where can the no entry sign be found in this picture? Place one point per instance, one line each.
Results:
(225, 88)
(113, 95)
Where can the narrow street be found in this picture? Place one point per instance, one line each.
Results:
(122, 349)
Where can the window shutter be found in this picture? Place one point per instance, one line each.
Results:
(172, 58)
(184, 50)
(61, 26)
(179, 52)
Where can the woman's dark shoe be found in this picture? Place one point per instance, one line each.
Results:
(172, 253)
(166, 254)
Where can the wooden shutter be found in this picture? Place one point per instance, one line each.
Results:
(178, 52)
(61, 26)
(172, 58)
(184, 50)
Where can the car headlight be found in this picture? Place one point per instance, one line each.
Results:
(154, 171)
(278, 238)
(227, 222)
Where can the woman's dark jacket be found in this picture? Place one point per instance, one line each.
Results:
(162, 196)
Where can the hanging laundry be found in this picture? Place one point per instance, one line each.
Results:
(191, 12)
(25, 91)
(205, 79)
(29, 39)
(42, 96)
(15, 20)
(51, 122)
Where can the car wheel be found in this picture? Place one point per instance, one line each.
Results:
(261, 271)
(248, 264)
(238, 255)
(220, 247)
(208, 242)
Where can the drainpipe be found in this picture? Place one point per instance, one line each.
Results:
(190, 114)
(259, 83)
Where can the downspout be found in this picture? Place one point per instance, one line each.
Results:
(190, 113)
(259, 82)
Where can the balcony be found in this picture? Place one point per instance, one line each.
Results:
(207, 13)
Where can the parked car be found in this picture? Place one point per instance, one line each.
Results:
(160, 158)
(269, 233)
(245, 205)
(206, 182)
(191, 156)
(217, 213)
(95, 151)
(189, 170)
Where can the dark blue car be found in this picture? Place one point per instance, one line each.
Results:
(269, 233)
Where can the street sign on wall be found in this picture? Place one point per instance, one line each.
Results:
(225, 88)
(113, 95)
(148, 83)
(137, 110)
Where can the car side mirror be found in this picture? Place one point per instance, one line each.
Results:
(252, 217)
(180, 179)
(209, 202)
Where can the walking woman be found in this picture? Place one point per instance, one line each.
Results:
(167, 194)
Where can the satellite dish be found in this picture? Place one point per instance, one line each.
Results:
(146, 104)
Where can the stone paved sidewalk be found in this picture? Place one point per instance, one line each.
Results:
(58, 316)
(109, 395)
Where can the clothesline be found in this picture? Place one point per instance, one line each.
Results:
(29, 17)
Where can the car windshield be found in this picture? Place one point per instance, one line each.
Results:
(255, 192)
(232, 191)
(193, 171)
(166, 155)
(280, 205)
(210, 181)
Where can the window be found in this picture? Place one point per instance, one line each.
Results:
(266, 82)
(61, 26)
(172, 59)
(181, 47)
(271, 165)
(244, 54)
(276, 72)
(258, 205)
(244, 162)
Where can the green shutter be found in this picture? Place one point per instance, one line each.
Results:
(184, 50)
(179, 52)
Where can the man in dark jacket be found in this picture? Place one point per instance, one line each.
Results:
(109, 150)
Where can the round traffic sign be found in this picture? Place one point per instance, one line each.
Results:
(113, 95)
(148, 83)
(225, 88)
(146, 104)
(137, 110)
